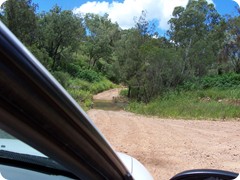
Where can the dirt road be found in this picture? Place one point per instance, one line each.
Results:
(167, 146)
(107, 95)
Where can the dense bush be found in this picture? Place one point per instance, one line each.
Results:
(84, 98)
(89, 75)
(86, 74)
(73, 69)
(62, 77)
(230, 80)
(82, 91)
(124, 92)
(214, 97)
(42, 56)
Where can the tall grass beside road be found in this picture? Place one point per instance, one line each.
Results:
(212, 97)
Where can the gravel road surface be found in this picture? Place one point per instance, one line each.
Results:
(168, 146)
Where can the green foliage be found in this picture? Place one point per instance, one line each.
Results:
(124, 92)
(218, 94)
(204, 104)
(62, 77)
(73, 69)
(231, 49)
(59, 34)
(20, 18)
(148, 66)
(83, 50)
(41, 55)
(210, 97)
(80, 95)
(221, 81)
(82, 91)
(100, 41)
(198, 33)
(103, 85)
(224, 81)
(89, 75)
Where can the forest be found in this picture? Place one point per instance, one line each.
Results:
(197, 58)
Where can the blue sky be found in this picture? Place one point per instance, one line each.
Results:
(124, 11)
(223, 6)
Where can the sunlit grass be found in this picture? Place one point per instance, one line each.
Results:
(202, 104)
(83, 91)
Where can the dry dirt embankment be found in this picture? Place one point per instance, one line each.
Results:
(168, 146)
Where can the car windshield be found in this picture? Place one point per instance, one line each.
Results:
(11, 144)
(4, 135)
(21, 161)
(159, 78)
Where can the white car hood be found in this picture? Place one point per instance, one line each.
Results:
(138, 171)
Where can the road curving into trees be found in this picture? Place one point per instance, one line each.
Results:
(168, 146)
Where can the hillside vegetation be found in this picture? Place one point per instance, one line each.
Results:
(198, 58)
(211, 97)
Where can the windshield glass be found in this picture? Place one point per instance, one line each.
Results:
(159, 78)
(21, 161)
(4, 135)
(12, 144)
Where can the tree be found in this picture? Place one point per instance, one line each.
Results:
(129, 59)
(141, 61)
(20, 17)
(60, 34)
(231, 49)
(99, 44)
(195, 31)
(161, 70)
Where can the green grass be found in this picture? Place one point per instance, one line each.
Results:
(198, 104)
(83, 88)
(124, 92)
(82, 91)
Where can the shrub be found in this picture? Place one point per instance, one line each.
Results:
(124, 92)
(89, 75)
(104, 84)
(230, 80)
(79, 84)
(73, 69)
(62, 77)
(42, 56)
(82, 91)
(80, 95)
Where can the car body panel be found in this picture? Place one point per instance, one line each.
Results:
(138, 171)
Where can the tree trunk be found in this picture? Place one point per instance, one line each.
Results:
(129, 92)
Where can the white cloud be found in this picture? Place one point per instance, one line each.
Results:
(2, 1)
(237, 1)
(124, 13)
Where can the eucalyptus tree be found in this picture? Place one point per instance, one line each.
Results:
(195, 32)
(231, 50)
(131, 62)
(60, 31)
(100, 40)
(141, 60)
(20, 17)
